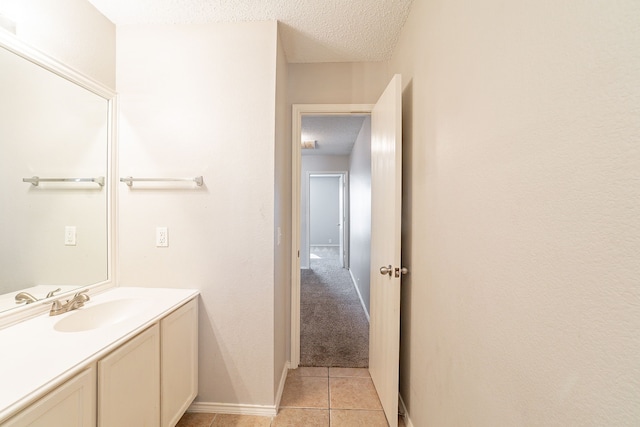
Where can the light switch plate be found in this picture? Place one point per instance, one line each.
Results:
(70, 235)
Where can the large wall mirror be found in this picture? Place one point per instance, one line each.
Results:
(55, 230)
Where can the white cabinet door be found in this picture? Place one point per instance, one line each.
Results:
(73, 404)
(129, 383)
(179, 357)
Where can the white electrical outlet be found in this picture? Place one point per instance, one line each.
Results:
(162, 237)
(70, 235)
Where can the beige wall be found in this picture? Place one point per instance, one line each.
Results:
(521, 213)
(72, 31)
(282, 224)
(337, 83)
(201, 100)
(360, 212)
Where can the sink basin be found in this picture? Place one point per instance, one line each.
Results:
(100, 315)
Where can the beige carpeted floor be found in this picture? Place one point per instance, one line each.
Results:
(333, 327)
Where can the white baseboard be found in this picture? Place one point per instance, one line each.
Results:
(364, 307)
(233, 408)
(403, 409)
(240, 409)
(283, 379)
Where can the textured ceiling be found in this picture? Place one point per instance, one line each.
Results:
(334, 135)
(311, 30)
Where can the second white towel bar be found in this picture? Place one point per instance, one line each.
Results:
(129, 180)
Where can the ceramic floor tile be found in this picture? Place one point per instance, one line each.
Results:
(305, 392)
(292, 417)
(357, 418)
(349, 372)
(196, 420)
(308, 372)
(353, 393)
(229, 420)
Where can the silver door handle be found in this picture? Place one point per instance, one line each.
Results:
(386, 270)
(403, 270)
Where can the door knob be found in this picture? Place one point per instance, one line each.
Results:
(403, 270)
(386, 270)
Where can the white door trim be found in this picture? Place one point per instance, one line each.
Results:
(298, 110)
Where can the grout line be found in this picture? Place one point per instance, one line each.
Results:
(329, 396)
(329, 392)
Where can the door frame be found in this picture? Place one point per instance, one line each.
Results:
(343, 208)
(297, 111)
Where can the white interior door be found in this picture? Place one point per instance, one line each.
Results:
(386, 192)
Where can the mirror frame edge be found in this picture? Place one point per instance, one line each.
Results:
(13, 44)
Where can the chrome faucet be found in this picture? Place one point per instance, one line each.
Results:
(25, 297)
(77, 301)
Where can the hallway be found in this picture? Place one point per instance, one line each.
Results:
(334, 331)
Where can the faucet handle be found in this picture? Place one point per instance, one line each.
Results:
(78, 300)
(50, 294)
(81, 296)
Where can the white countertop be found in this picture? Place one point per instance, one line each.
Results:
(35, 358)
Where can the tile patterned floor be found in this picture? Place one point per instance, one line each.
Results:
(312, 397)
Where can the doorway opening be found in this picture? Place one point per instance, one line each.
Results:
(334, 326)
(324, 285)
(385, 234)
(327, 216)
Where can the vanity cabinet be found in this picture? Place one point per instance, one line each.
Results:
(129, 383)
(179, 362)
(147, 380)
(73, 404)
(152, 379)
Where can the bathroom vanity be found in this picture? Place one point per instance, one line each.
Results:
(129, 357)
